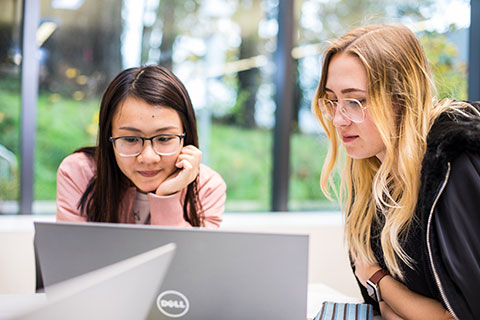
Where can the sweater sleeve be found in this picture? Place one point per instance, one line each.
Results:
(168, 210)
(73, 176)
(212, 193)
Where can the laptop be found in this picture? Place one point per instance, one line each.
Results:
(123, 290)
(215, 274)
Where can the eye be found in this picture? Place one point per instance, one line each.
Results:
(131, 140)
(353, 104)
(333, 102)
(164, 139)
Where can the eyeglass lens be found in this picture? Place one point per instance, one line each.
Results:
(350, 108)
(162, 144)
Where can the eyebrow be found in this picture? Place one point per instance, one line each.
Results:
(348, 90)
(140, 131)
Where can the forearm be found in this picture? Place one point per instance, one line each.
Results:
(407, 304)
(387, 312)
(167, 210)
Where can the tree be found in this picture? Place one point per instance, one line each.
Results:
(248, 16)
(168, 25)
(87, 41)
(450, 76)
(323, 20)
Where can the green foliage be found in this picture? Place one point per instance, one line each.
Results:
(10, 136)
(62, 126)
(10, 119)
(450, 77)
(236, 113)
(307, 155)
(243, 158)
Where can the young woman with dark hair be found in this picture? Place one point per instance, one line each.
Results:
(146, 166)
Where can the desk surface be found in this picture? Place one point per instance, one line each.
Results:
(317, 294)
(10, 304)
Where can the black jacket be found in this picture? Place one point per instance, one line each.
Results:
(444, 239)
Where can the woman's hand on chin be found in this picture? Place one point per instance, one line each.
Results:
(188, 166)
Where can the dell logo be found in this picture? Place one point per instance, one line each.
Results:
(172, 303)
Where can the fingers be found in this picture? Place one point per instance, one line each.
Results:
(185, 164)
(190, 154)
(192, 150)
(186, 158)
(188, 163)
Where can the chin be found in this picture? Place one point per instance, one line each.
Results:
(146, 188)
(357, 156)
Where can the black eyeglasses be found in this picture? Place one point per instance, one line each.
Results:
(162, 144)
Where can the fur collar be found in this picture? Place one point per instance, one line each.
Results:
(450, 135)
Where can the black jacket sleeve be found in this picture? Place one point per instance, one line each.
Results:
(456, 236)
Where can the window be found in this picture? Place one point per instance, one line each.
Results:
(223, 51)
(10, 104)
(445, 40)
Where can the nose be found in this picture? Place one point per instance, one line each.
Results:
(148, 154)
(339, 119)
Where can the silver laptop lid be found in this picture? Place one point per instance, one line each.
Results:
(215, 274)
(124, 290)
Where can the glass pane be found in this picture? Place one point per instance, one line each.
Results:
(221, 50)
(444, 37)
(10, 104)
(80, 52)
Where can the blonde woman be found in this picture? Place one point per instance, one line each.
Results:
(411, 175)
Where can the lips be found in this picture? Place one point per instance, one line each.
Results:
(149, 174)
(348, 138)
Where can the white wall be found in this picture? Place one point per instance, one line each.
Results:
(328, 261)
(17, 263)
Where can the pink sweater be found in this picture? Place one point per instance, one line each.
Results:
(77, 169)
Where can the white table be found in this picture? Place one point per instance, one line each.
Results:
(10, 304)
(317, 294)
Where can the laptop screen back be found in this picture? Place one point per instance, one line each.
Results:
(214, 274)
(101, 294)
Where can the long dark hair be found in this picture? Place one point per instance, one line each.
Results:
(156, 85)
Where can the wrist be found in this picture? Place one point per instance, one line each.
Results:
(373, 282)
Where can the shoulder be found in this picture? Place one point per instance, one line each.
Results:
(457, 208)
(208, 174)
(467, 162)
(210, 178)
(452, 134)
(78, 163)
(464, 180)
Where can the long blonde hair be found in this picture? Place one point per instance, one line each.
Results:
(400, 101)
